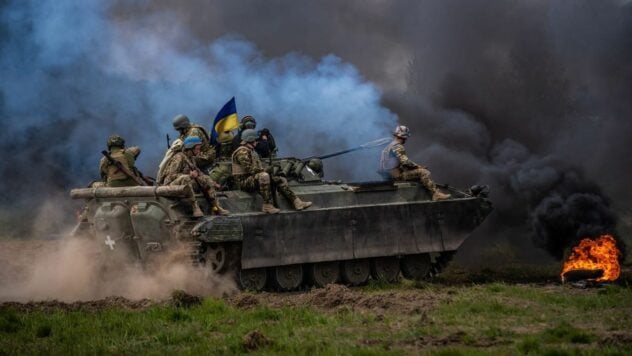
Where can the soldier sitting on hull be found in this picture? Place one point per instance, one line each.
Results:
(265, 146)
(395, 164)
(183, 125)
(250, 176)
(114, 176)
(182, 170)
(221, 170)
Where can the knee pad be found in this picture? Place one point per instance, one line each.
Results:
(263, 178)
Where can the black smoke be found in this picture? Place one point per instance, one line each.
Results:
(530, 97)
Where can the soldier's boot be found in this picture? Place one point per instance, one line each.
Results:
(300, 205)
(437, 195)
(197, 212)
(217, 209)
(268, 208)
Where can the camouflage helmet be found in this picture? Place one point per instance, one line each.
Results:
(181, 122)
(115, 141)
(249, 135)
(191, 141)
(248, 122)
(402, 131)
(316, 165)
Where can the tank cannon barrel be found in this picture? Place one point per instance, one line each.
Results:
(376, 143)
(169, 191)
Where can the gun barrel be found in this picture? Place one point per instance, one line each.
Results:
(371, 144)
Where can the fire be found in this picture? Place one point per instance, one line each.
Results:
(595, 254)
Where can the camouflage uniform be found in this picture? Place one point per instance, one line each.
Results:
(178, 172)
(250, 176)
(221, 170)
(396, 164)
(114, 177)
(206, 158)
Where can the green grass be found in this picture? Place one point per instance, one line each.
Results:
(492, 318)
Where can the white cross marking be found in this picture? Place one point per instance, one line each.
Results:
(110, 242)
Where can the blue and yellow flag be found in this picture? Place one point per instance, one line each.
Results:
(225, 120)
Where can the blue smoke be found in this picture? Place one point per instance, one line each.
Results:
(73, 73)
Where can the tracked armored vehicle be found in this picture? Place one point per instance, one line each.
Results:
(353, 231)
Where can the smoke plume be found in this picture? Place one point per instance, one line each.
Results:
(530, 97)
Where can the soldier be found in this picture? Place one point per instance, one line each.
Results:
(250, 176)
(221, 170)
(265, 144)
(224, 145)
(182, 170)
(395, 164)
(111, 175)
(183, 125)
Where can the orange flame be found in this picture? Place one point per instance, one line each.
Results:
(601, 253)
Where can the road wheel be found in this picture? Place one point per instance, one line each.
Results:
(385, 269)
(416, 266)
(356, 272)
(288, 278)
(324, 273)
(253, 279)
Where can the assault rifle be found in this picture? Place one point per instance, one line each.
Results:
(123, 169)
(193, 167)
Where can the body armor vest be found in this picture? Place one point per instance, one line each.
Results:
(388, 160)
(254, 158)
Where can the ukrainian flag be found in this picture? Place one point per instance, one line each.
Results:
(225, 120)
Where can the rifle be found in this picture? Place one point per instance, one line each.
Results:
(193, 167)
(168, 142)
(148, 180)
(372, 144)
(122, 168)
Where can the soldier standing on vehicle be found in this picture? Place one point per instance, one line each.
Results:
(183, 125)
(250, 176)
(125, 175)
(395, 163)
(182, 170)
(264, 145)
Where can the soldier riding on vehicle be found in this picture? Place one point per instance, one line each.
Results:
(182, 170)
(395, 164)
(250, 176)
(265, 146)
(183, 125)
(117, 168)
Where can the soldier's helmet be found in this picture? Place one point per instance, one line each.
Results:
(249, 135)
(402, 131)
(248, 122)
(316, 165)
(181, 122)
(191, 141)
(225, 137)
(115, 141)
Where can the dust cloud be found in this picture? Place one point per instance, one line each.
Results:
(72, 269)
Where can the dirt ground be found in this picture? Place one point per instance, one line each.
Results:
(17, 256)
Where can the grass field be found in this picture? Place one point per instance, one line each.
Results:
(462, 313)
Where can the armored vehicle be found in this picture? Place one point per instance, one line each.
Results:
(353, 231)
